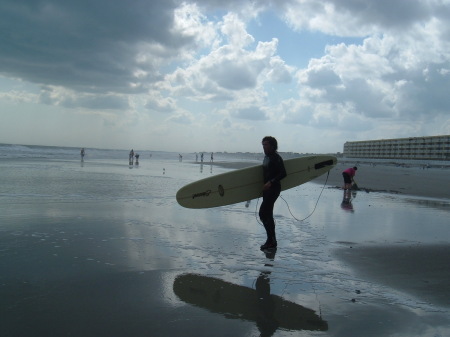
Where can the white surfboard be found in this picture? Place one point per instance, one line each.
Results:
(246, 184)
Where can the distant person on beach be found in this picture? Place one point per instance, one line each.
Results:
(212, 157)
(273, 172)
(348, 175)
(82, 153)
(201, 157)
(130, 157)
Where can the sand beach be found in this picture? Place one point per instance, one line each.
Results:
(101, 248)
(389, 178)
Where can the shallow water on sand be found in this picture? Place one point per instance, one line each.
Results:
(100, 248)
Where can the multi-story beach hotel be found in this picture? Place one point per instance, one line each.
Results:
(419, 148)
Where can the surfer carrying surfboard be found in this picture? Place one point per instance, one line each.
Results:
(273, 171)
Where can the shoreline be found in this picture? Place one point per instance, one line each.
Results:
(382, 178)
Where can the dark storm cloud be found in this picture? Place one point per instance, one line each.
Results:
(87, 46)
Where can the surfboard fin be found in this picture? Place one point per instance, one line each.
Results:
(324, 164)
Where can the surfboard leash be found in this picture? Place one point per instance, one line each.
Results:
(315, 206)
(256, 212)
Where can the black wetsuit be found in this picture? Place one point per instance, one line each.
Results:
(274, 171)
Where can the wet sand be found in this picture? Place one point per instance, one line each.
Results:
(431, 183)
(104, 250)
(418, 269)
(421, 270)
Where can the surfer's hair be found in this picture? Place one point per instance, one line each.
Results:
(272, 141)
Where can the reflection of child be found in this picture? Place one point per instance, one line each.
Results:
(346, 205)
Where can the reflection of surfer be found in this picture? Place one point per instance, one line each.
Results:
(268, 311)
(274, 171)
(265, 319)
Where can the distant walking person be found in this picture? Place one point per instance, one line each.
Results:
(82, 153)
(212, 157)
(348, 175)
(273, 172)
(130, 157)
(201, 157)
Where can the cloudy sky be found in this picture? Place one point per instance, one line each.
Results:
(214, 75)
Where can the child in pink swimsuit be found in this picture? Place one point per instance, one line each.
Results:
(348, 175)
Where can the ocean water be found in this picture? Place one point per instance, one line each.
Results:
(13, 151)
(98, 248)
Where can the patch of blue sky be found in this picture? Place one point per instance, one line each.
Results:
(277, 92)
(296, 48)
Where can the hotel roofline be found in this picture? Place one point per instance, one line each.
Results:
(422, 148)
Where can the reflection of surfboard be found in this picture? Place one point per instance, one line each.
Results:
(246, 184)
(258, 305)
